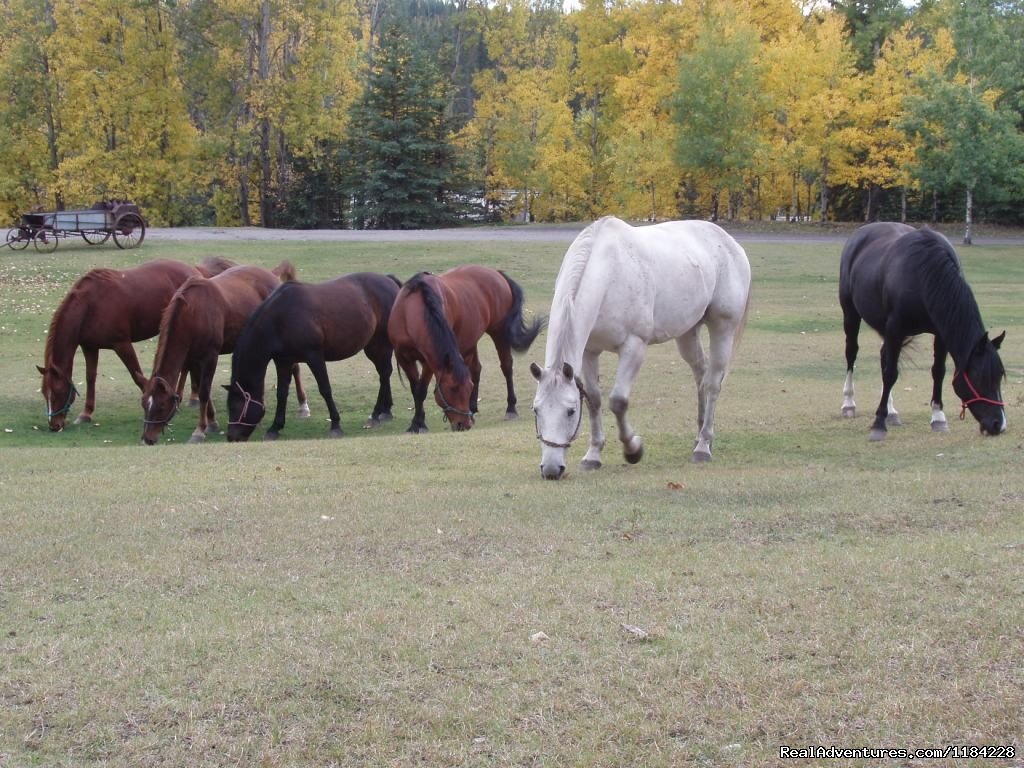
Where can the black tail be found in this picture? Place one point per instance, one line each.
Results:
(518, 334)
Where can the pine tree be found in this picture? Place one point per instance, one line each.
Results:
(400, 161)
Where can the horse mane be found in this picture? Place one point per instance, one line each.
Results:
(438, 328)
(948, 297)
(175, 307)
(567, 286)
(214, 265)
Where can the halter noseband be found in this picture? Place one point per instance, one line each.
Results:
(67, 406)
(241, 416)
(171, 415)
(976, 396)
(576, 432)
(449, 408)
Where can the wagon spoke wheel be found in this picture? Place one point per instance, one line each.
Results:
(18, 237)
(45, 241)
(129, 231)
(95, 236)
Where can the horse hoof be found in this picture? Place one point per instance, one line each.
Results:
(414, 430)
(893, 420)
(511, 415)
(940, 426)
(270, 437)
(635, 457)
(193, 402)
(212, 428)
(589, 465)
(877, 435)
(335, 432)
(304, 411)
(197, 439)
(83, 419)
(371, 423)
(700, 457)
(380, 418)
(849, 411)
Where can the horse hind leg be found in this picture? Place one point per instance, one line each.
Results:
(692, 351)
(381, 356)
(886, 410)
(505, 361)
(851, 326)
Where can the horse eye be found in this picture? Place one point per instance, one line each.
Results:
(572, 412)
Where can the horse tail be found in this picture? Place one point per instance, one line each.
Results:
(214, 265)
(285, 271)
(518, 334)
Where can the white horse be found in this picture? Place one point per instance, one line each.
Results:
(621, 289)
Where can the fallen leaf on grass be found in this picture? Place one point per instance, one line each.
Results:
(636, 633)
(538, 637)
(675, 486)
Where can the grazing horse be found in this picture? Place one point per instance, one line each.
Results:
(436, 323)
(311, 324)
(621, 289)
(202, 321)
(108, 309)
(903, 282)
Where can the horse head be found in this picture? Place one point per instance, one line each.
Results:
(977, 385)
(160, 402)
(453, 394)
(245, 411)
(558, 412)
(60, 393)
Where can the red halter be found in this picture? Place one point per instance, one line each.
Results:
(977, 398)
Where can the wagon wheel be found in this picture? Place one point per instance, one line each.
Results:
(95, 236)
(45, 241)
(18, 238)
(129, 231)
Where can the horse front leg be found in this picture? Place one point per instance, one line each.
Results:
(472, 359)
(92, 356)
(938, 420)
(589, 384)
(284, 379)
(631, 357)
(318, 366)
(886, 414)
(203, 374)
(300, 392)
(418, 388)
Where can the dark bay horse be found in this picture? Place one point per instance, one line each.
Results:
(903, 282)
(436, 324)
(201, 322)
(311, 323)
(108, 309)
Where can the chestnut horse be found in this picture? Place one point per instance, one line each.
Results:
(436, 323)
(108, 309)
(202, 321)
(312, 324)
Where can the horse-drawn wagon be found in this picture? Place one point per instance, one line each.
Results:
(121, 219)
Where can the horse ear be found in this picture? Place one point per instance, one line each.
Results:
(41, 370)
(998, 340)
(227, 387)
(535, 370)
(568, 371)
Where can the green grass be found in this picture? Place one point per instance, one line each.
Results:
(371, 600)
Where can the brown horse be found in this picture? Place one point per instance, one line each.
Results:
(435, 325)
(108, 309)
(202, 321)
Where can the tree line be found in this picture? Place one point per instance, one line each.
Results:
(419, 113)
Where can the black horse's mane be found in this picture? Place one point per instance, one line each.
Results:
(948, 297)
(438, 327)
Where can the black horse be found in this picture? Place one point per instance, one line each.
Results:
(904, 281)
(311, 324)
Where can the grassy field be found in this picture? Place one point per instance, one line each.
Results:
(397, 600)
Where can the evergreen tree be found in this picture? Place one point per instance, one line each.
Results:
(400, 161)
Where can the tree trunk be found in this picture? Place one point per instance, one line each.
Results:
(263, 53)
(969, 217)
(903, 205)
